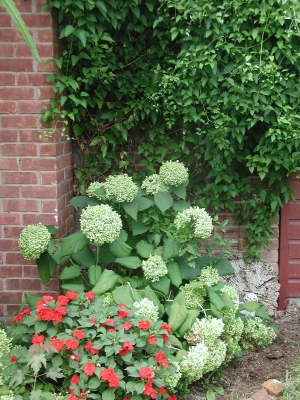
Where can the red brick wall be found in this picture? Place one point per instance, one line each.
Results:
(35, 174)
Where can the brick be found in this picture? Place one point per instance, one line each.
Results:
(12, 231)
(6, 49)
(5, 20)
(23, 121)
(9, 191)
(17, 93)
(10, 35)
(22, 50)
(20, 177)
(10, 298)
(7, 79)
(20, 205)
(50, 149)
(33, 80)
(51, 178)
(39, 164)
(8, 107)
(8, 245)
(15, 65)
(270, 256)
(46, 219)
(10, 272)
(12, 310)
(19, 149)
(46, 92)
(273, 387)
(32, 107)
(261, 395)
(8, 163)
(24, 5)
(49, 206)
(40, 4)
(17, 259)
(1, 284)
(23, 284)
(37, 20)
(40, 192)
(47, 50)
(31, 271)
(44, 35)
(9, 219)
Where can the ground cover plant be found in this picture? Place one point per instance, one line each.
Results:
(212, 83)
(138, 248)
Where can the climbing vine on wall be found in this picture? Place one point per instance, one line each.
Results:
(215, 84)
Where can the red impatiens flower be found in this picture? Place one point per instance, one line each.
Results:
(92, 320)
(71, 344)
(152, 339)
(126, 326)
(13, 359)
(165, 337)
(18, 318)
(110, 322)
(89, 369)
(166, 327)
(58, 344)
(63, 300)
(71, 295)
(146, 373)
(127, 346)
(162, 390)
(126, 398)
(145, 325)
(89, 347)
(123, 314)
(83, 395)
(75, 379)
(120, 305)
(37, 339)
(109, 375)
(149, 390)
(47, 299)
(160, 358)
(74, 357)
(172, 397)
(90, 295)
(79, 334)
(73, 397)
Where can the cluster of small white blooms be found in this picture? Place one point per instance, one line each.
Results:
(173, 173)
(100, 224)
(33, 241)
(121, 187)
(147, 309)
(8, 396)
(256, 334)
(153, 184)
(195, 222)
(217, 354)
(171, 381)
(194, 296)
(154, 268)
(193, 362)
(5, 347)
(205, 329)
(232, 293)
(90, 191)
(234, 328)
(209, 276)
(107, 299)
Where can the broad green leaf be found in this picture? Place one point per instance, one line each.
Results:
(180, 191)
(108, 394)
(69, 29)
(94, 274)
(215, 299)
(94, 383)
(219, 390)
(106, 282)
(188, 273)
(138, 227)
(188, 322)
(119, 248)
(170, 249)
(101, 6)
(123, 294)
(100, 191)
(76, 285)
(150, 294)
(180, 205)
(210, 394)
(16, 379)
(144, 249)
(96, 141)
(251, 306)
(178, 314)
(4, 390)
(129, 262)
(73, 244)
(32, 299)
(79, 201)
(263, 314)
(144, 203)
(174, 273)
(105, 255)
(36, 361)
(46, 267)
(16, 17)
(163, 285)
(224, 267)
(163, 201)
(54, 373)
(131, 208)
(84, 257)
(52, 229)
(82, 36)
(70, 272)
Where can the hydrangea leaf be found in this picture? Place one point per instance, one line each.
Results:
(46, 266)
(105, 255)
(163, 285)
(215, 299)
(119, 248)
(174, 273)
(123, 294)
(144, 249)
(149, 293)
(163, 201)
(180, 191)
(106, 282)
(224, 267)
(178, 312)
(170, 249)
(79, 201)
(188, 322)
(131, 208)
(262, 313)
(138, 227)
(143, 204)
(84, 257)
(180, 205)
(129, 262)
(70, 272)
(251, 305)
(52, 229)
(94, 274)
(73, 244)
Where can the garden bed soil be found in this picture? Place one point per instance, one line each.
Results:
(244, 376)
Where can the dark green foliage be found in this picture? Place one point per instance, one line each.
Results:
(215, 84)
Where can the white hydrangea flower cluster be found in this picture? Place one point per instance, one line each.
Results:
(194, 296)
(154, 268)
(33, 240)
(256, 334)
(101, 224)
(194, 222)
(209, 276)
(217, 354)
(173, 173)
(153, 184)
(233, 294)
(147, 309)
(5, 347)
(192, 364)
(121, 187)
(205, 329)
(107, 299)
(93, 187)
(171, 381)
